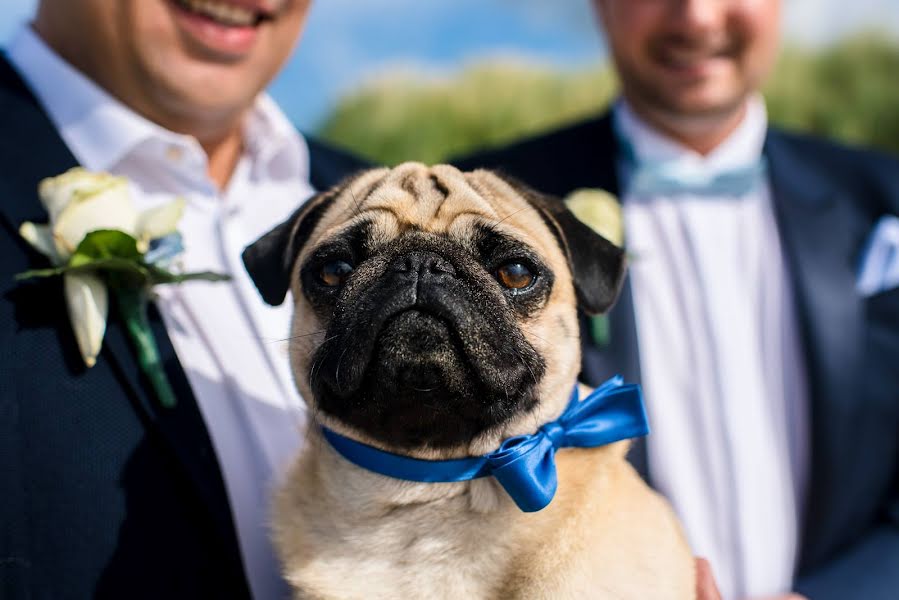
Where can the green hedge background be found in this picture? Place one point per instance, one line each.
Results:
(849, 91)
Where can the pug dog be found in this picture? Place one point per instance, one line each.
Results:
(435, 316)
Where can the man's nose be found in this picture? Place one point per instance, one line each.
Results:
(700, 15)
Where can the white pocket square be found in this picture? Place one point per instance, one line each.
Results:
(879, 267)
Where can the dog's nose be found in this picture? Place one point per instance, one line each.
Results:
(423, 265)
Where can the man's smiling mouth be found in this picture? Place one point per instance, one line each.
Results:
(224, 13)
(681, 54)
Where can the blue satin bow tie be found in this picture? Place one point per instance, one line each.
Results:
(524, 465)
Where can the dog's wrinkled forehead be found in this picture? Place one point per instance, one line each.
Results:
(439, 200)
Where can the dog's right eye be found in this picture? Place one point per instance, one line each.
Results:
(334, 273)
(515, 276)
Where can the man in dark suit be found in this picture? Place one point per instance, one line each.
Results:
(106, 493)
(769, 367)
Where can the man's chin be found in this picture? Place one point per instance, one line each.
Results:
(701, 104)
(190, 94)
(710, 109)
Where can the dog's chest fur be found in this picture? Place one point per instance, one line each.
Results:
(358, 546)
(397, 560)
(343, 532)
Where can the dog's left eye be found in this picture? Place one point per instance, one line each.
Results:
(514, 276)
(334, 273)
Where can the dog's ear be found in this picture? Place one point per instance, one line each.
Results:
(597, 265)
(270, 259)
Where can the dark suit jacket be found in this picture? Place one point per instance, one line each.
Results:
(103, 493)
(827, 199)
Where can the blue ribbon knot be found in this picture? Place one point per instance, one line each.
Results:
(524, 465)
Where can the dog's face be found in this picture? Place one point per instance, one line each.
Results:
(435, 310)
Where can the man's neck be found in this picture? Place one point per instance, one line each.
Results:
(700, 133)
(223, 155)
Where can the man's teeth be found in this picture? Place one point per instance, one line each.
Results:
(688, 59)
(226, 14)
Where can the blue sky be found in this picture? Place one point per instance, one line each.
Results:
(347, 41)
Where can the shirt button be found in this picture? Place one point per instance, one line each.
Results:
(174, 153)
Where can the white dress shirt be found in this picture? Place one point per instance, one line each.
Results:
(231, 344)
(720, 360)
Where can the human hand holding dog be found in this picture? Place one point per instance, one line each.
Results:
(707, 589)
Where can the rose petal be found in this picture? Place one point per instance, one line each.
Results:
(600, 211)
(160, 221)
(57, 192)
(110, 208)
(41, 239)
(88, 302)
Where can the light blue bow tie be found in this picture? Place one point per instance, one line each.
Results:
(667, 179)
(524, 465)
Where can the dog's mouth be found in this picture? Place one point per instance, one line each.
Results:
(425, 382)
(417, 387)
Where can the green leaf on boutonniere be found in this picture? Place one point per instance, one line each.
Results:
(117, 252)
(107, 243)
(104, 249)
(138, 271)
(158, 275)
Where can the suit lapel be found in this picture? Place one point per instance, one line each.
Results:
(821, 236)
(26, 128)
(181, 428)
(593, 164)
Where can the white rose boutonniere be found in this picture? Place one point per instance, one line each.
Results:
(601, 211)
(100, 243)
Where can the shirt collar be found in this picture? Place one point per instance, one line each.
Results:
(278, 150)
(101, 131)
(742, 146)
